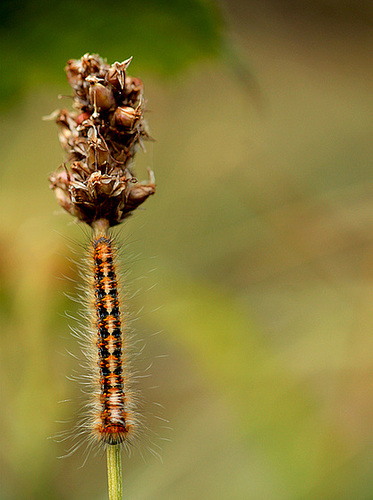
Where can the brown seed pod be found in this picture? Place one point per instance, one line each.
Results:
(126, 117)
(116, 74)
(101, 97)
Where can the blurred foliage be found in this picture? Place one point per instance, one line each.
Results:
(259, 241)
(165, 37)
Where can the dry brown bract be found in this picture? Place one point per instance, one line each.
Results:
(101, 137)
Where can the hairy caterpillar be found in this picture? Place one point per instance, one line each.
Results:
(114, 419)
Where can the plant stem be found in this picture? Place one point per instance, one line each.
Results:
(114, 472)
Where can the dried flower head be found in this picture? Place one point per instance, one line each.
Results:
(101, 136)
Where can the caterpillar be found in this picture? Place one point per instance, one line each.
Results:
(114, 420)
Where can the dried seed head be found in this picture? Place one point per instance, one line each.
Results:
(101, 138)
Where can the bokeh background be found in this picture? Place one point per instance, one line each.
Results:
(250, 273)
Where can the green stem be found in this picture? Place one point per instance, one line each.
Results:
(114, 471)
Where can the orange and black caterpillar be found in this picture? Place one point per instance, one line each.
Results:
(114, 420)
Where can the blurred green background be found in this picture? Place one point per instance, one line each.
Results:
(249, 273)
